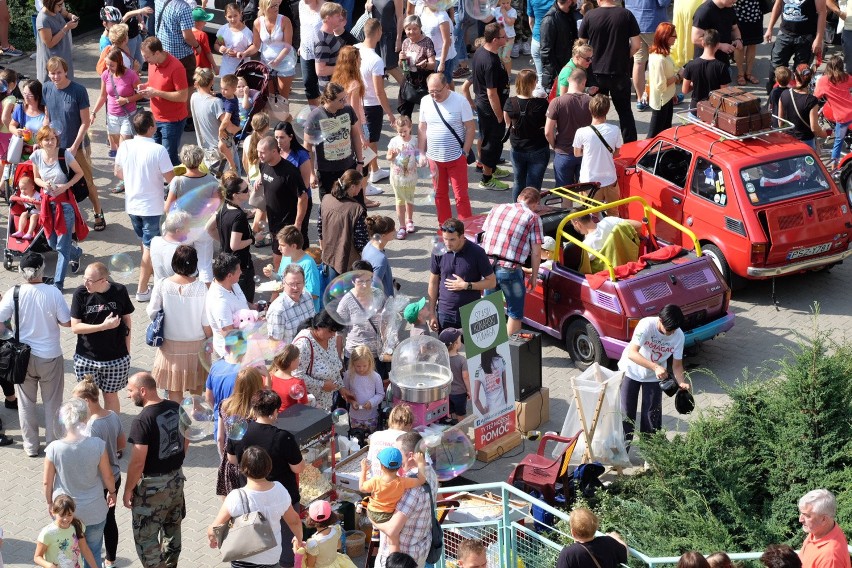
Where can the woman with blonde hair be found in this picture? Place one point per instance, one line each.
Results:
(581, 57)
(235, 409)
(251, 165)
(273, 39)
(588, 550)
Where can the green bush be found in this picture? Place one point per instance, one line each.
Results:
(21, 28)
(733, 480)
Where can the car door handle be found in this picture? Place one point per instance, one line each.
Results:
(676, 200)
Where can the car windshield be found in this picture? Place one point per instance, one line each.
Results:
(783, 179)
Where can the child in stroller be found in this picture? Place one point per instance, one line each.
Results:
(30, 200)
(22, 198)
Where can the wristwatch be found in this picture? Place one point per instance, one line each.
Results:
(469, 286)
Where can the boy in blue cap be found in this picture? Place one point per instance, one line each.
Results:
(386, 490)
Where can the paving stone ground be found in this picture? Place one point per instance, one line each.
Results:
(763, 333)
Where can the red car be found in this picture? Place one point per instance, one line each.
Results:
(760, 206)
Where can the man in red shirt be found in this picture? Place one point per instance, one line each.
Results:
(168, 90)
(825, 546)
(510, 234)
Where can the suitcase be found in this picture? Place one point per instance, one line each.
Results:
(760, 120)
(719, 94)
(733, 125)
(741, 105)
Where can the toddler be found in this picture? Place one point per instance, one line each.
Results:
(246, 97)
(782, 82)
(403, 156)
(62, 542)
(418, 315)
(324, 543)
(365, 384)
(283, 381)
(232, 40)
(504, 14)
(460, 387)
(230, 124)
(31, 201)
(386, 490)
(203, 57)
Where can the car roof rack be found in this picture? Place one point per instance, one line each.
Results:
(688, 118)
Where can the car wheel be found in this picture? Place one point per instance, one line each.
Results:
(584, 345)
(734, 281)
(847, 183)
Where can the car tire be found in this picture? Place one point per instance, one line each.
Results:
(734, 281)
(847, 183)
(584, 345)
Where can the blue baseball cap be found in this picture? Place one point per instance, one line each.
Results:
(391, 458)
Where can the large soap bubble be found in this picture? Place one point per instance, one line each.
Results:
(352, 299)
(200, 203)
(196, 418)
(479, 9)
(121, 266)
(310, 131)
(297, 392)
(288, 62)
(340, 418)
(452, 453)
(70, 420)
(235, 427)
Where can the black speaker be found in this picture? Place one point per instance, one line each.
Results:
(525, 349)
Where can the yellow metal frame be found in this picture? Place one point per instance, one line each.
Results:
(594, 206)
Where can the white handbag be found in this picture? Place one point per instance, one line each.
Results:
(16, 146)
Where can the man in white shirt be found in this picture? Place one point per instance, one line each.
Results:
(655, 339)
(41, 310)
(598, 145)
(224, 298)
(145, 168)
(376, 105)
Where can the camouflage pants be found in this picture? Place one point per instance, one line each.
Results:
(522, 23)
(158, 509)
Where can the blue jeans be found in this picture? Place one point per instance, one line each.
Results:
(95, 540)
(535, 49)
(168, 134)
(64, 245)
(566, 169)
(462, 25)
(150, 26)
(309, 77)
(847, 49)
(510, 281)
(348, 5)
(529, 169)
(449, 67)
(839, 135)
(134, 46)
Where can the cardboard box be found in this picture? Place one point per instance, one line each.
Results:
(533, 411)
(501, 447)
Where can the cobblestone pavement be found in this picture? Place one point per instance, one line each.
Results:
(762, 333)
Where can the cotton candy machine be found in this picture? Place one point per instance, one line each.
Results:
(420, 371)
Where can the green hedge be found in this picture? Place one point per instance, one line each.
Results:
(733, 480)
(21, 28)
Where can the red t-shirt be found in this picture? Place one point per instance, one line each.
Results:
(830, 551)
(838, 97)
(283, 386)
(170, 76)
(202, 61)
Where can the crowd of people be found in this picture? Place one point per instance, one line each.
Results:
(228, 194)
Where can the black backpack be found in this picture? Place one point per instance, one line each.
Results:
(81, 188)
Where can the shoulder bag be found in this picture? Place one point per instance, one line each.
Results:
(601, 138)
(79, 189)
(154, 334)
(244, 536)
(471, 157)
(437, 546)
(14, 355)
(594, 559)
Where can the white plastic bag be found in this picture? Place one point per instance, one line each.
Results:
(16, 146)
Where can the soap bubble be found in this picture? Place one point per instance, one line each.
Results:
(288, 62)
(340, 418)
(306, 129)
(235, 427)
(452, 453)
(196, 418)
(438, 246)
(7, 333)
(235, 345)
(426, 198)
(352, 299)
(207, 354)
(260, 348)
(57, 128)
(257, 280)
(479, 9)
(70, 419)
(200, 203)
(121, 265)
(297, 392)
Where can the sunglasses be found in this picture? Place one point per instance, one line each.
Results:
(448, 228)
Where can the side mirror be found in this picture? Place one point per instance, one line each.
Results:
(630, 171)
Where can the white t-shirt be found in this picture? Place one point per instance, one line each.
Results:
(272, 503)
(309, 23)
(144, 164)
(498, 16)
(183, 306)
(654, 346)
(372, 65)
(432, 28)
(598, 164)
(379, 441)
(233, 39)
(595, 239)
(221, 306)
(442, 146)
(41, 308)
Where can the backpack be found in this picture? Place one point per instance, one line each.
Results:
(81, 188)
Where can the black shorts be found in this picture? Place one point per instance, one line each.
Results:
(387, 49)
(375, 116)
(458, 404)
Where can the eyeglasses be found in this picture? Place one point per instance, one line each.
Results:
(294, 285)
(438, 91)
(90, 281)
(341, 100)
(586, 59)
(244, 190)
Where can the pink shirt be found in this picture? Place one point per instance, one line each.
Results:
(838, 97)
(125, 87)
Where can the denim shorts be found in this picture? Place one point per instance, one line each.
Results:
(119, 124)
(511, 283)
(146, 227)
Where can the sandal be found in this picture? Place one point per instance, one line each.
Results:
(119, 188)
(372, 204)
(752, 79)
(741, 81)
(100, 222)
(264, 242)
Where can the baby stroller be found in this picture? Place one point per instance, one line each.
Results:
(257, 77)
(16, 248)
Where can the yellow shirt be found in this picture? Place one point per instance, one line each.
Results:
(683, 49)
(660, 69)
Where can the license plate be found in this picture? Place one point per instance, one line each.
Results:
(809, 251)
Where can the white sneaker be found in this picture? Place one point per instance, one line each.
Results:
(516, 50)
(144, 296)
(526, 49)
(373, 190)
(540, 93)
(379, 175)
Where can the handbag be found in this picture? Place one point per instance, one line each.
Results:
(471, 157)
(411, 94)
(277, 105)
(16, 148)
(244, 536)
(154, 333)
(437, 546)
(14, 355)
(80, 188)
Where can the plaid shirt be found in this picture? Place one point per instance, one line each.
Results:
(509, 232)
(416, 535)
(176, 17)
(285, 315)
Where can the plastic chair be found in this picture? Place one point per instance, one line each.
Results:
(542, 473)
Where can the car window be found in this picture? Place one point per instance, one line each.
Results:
(783, 179)
(709, 182)
(668, 162)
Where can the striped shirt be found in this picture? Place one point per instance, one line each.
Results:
(509, 233)
(442, 146)
(172, 18)
(326, 49)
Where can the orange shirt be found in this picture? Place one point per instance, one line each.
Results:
(170, 76)
(830, 551)
(384, 496)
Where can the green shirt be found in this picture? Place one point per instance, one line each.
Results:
(565, 73)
